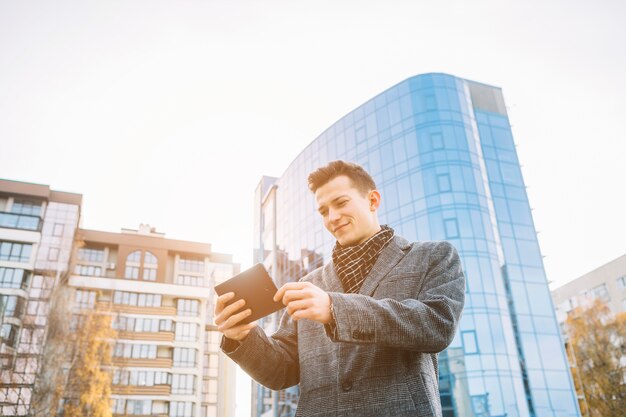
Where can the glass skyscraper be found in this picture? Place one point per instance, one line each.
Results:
(441, 151)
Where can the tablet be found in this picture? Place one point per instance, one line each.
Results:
(256, 287)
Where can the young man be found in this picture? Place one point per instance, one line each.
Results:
(361, 334)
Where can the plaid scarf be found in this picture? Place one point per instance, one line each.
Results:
(354, 263)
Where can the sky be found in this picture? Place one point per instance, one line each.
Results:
(169, 112)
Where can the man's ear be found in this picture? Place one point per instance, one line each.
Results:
(374, 199)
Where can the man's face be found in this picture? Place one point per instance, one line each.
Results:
(348, 215)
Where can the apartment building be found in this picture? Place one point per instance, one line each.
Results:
(160, 293)
(37, 227)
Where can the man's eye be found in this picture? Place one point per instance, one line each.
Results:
(342, 203)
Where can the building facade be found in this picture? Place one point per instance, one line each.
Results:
(158, 293)
(607, 282)
(37, 227)
(441, 151)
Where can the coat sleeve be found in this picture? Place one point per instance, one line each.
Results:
(271, 361)
(426, 323)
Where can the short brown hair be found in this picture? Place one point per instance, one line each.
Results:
(360, 179)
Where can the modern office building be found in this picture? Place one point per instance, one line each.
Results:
(441, 151)
(37, 227)
(607, 282)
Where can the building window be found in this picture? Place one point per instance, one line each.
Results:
(184, 357)
(13, 278)
(91, 255)
(85, 299)
(191, 265)
(437, 140)
(186, 307)
(183, 384)
(15, 252)
(133, 324)
(186, 332)
(451, 228)
(30, 208)
(181, 409)
(57, 230)
(131, 272)
(443, 182)
(134, 257)
(141, 378)
(141, 407)
(191, 280)
(88, 270)
(621, 282)
(8, 334)
(135, 299)
(470, 344)
(135, 351)
(13, 306)
(601, 292)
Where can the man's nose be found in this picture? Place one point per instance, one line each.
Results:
(333, 215)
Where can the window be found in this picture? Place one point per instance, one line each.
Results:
(184, 357)
(15, 252)
(437, 140)
(621, 282)
(134, 257)
(135, 351)
(451, 228)
(88, 270)
(186, 307)
(139, 407)
(149, 274)
(181, 409)
(186, 332)
(8, 334)
(131, 272)
(191, 265)
(601, 292)
(26, 207)
(134, 299)
(57, 230)
(183, 384)
(195, 281)
(13, 306)
(13, 278)
(470, 344)
(144, 378)
(150, 259)
(443, 182)
(91, 255)
(85, 299)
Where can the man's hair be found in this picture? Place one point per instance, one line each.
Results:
(360, 179)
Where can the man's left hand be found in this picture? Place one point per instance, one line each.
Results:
(305, 301)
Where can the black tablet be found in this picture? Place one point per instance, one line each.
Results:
(256, 287)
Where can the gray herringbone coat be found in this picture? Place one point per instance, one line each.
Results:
(382, 359)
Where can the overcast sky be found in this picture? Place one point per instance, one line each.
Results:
(169, 112)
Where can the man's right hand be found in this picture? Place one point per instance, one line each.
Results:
(228, 323)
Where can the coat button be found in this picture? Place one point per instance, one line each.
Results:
(346, 385)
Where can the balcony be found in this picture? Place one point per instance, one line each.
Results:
(150, 336)
(141, 390)
(20, 221)
(124, 308)
(143, 362)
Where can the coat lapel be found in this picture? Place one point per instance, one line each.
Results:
(387, 260)
(331, 280)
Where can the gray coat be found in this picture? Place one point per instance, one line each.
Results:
(382, 358)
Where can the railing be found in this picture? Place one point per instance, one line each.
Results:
(141, 390)
(20, 221)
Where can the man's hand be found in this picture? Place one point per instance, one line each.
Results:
(228, 322)
(305, 301)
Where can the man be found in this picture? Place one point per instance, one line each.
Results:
(361, 334)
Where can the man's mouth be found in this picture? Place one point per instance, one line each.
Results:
(340, 227)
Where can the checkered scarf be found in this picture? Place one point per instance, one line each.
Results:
(353, 263)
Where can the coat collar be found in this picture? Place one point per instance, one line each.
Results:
(388, 258)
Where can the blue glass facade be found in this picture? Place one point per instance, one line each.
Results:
(441, 151)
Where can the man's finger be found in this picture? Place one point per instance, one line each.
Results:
(222, 299)
(229, 311)
(233, 320)
(288, 287)
(294, 306)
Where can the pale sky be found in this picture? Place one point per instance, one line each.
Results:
(169, 112)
